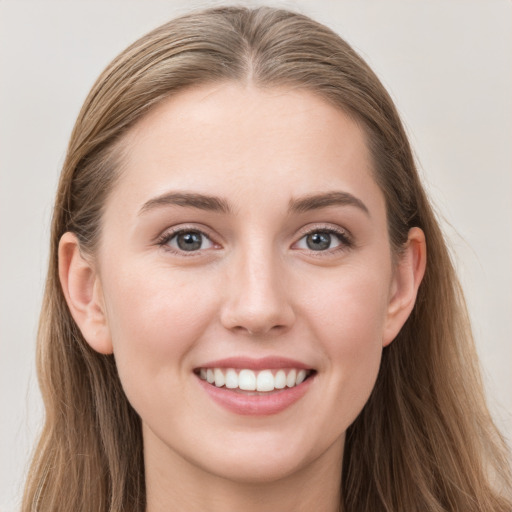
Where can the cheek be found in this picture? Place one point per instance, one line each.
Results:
(154, 319)
(349, 308)
(348, 321)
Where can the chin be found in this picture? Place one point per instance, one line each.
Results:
(266, 458)
(259, 469)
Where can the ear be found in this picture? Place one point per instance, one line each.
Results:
(407, 277)
(82, 290)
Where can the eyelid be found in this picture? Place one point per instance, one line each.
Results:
(344, 235)
(168, 234)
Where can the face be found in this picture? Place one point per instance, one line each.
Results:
(246, 280)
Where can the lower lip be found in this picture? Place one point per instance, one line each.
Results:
(256, 405)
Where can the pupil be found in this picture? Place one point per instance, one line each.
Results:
(190, 241)
(318, 241)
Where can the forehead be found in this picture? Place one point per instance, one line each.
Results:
(233, 139)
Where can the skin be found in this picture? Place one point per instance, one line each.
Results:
(254, 289)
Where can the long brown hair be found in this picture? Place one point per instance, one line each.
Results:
(424, 440)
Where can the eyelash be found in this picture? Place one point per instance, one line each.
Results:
(344, 237)
(166, 237)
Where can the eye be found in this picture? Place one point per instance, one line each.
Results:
(187, 240)
(323, 240)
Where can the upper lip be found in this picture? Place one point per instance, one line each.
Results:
(256, 363)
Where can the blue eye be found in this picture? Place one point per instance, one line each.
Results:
(323, 240)
(319, 241)
(188, 241)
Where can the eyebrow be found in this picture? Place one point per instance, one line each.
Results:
(188, 199)
(323, 200)
(218, 204)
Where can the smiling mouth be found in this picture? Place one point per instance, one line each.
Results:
(247, 381)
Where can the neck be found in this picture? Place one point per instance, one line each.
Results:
(171, 481)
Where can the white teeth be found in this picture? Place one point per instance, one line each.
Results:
(231, 379)
(265, 381)
(290, 379)
(301, 375)
(249, 380)
(219, 377)
(280, 380)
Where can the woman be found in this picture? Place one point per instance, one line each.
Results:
(240, 312)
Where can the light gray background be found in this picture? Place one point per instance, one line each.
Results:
(447, 64)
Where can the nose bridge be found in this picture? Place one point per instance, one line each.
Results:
(256, 300)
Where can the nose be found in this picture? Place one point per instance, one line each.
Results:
(257, 298)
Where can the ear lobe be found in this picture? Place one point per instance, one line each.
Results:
(407, 278)
(82, 289)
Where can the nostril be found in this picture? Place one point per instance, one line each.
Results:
(260, 331)
(256, 304)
